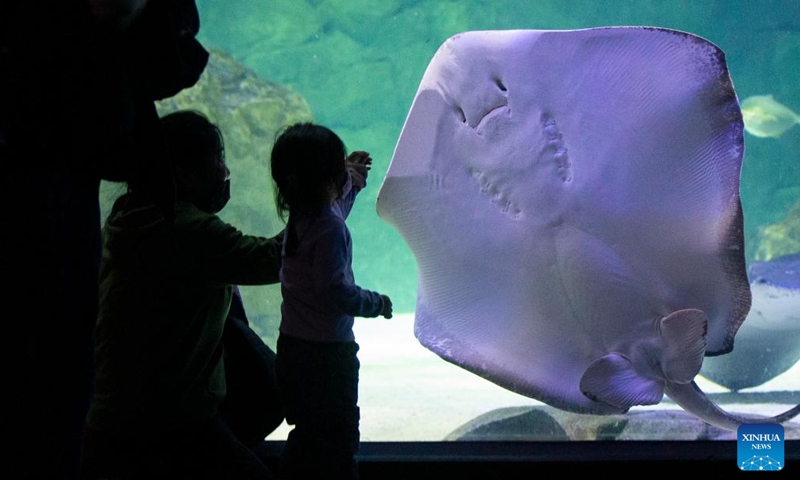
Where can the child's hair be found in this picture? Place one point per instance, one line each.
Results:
(307, 161)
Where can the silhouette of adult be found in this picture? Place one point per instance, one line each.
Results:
(78, 81)
(252, 406)
(167, 284)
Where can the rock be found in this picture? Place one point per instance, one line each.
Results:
(780, 238)
(511, 424)
(544, 423)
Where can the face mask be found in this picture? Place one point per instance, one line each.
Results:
(218, 200)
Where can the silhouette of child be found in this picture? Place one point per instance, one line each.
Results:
(317, 366)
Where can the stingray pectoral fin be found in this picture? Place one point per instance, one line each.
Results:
(611, 379)
(684, 333)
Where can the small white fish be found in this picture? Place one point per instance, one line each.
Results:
(765, 117)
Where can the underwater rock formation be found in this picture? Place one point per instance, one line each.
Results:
(781, 238)
(550, 424)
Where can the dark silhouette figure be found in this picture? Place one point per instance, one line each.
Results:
(78, 81)
(317, 364)
(252, 406)
(167, 284)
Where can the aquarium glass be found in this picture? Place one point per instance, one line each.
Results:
(355, 65)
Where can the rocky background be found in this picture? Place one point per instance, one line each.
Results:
(780, 238)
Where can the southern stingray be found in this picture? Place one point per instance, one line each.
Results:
(768, 344)
(572, 201)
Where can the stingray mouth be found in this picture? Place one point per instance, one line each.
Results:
(504, 110)
(477, 120)
(486, 110)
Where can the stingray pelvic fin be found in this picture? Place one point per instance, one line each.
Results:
(611, 379)
(684, 333)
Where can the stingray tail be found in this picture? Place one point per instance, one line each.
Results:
(693, 400)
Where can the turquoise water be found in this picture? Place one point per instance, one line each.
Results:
(358, 63)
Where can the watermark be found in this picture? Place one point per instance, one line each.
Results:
(760, 447)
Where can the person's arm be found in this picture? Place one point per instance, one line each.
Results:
(218, 253)
(333, 275)
(358, 165)
(348, 198)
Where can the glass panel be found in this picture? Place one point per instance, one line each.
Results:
(355, 65)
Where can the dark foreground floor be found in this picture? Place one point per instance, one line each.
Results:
(529, 460)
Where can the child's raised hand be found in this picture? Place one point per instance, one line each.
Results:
(358, 165)
(360, 157)
(387, 307)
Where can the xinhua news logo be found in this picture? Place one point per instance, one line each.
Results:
(760, 447)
